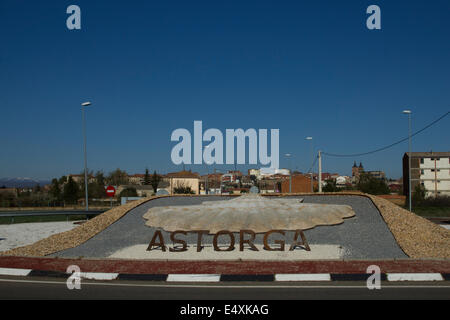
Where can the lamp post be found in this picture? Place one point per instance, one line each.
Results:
(207, 173)
(408, 112)
(83, 105)
(312, 160)
(288, 155)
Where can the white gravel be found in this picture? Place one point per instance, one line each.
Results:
(21, 234)
(318, 252)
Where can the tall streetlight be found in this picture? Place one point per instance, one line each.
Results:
(288, 155)
(408, 112)
(83, 105)
(312, 161)
(207, 172)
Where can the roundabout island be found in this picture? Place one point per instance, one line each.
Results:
(285, 229)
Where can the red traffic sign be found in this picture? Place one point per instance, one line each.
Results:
(110, 191)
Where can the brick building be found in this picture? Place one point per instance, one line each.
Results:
(300, 184)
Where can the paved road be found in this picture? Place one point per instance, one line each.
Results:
(54, 288)
(23, 213)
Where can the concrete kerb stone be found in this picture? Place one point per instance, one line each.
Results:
(210, 278)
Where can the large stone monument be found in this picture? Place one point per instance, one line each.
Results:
(249, 212)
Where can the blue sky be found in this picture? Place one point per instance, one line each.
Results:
(308, 68)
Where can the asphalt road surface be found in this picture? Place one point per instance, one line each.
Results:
(55, 288)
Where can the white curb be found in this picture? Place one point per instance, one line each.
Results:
(14, 272)
(303, 277)
(98, 275)
(193, 278)
(414, 277)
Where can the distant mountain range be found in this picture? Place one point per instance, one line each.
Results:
(21, 182)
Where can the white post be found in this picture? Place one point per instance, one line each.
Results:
(409, 158)
(408, 112)
(312, 169)
(320, 171)
(83, 105)
(312, 161)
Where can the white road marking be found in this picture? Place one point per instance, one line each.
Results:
(193, 278)
(414, 277)
(98, 275)
(303, 277)
(228, 286)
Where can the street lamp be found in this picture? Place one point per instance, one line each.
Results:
(83, 105)
(288, 155)
(312, 161)
(408, 112)
(207, 173)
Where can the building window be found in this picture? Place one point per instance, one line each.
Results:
(432, 170)
(422, 171)
(421, 160)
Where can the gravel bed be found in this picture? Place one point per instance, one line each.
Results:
(418, 237)
(364, 236)
(21, 234)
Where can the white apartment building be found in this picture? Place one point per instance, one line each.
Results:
(429, 169)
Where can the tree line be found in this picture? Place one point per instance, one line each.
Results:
(366, 183)
(66, 190)
(69, 191)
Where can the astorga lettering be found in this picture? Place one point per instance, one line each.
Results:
(246, 239)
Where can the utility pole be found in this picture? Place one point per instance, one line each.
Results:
(288, 155)
(320, 171)
(408, 112)
(312, 161)
(83, 105)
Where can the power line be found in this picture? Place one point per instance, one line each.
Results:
(388, 146)
(313, 164)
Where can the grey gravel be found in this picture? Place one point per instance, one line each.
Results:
(365, 236)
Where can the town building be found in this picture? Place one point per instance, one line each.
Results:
(271, 185)
(380, 175)
(268, 172)
(8, 192)
(357, 171)
(212, 182)
(431, 170)
(136, 179)
(183, 179)
(254, 172)
(143, 190)
(300, 184)
(79, 178)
